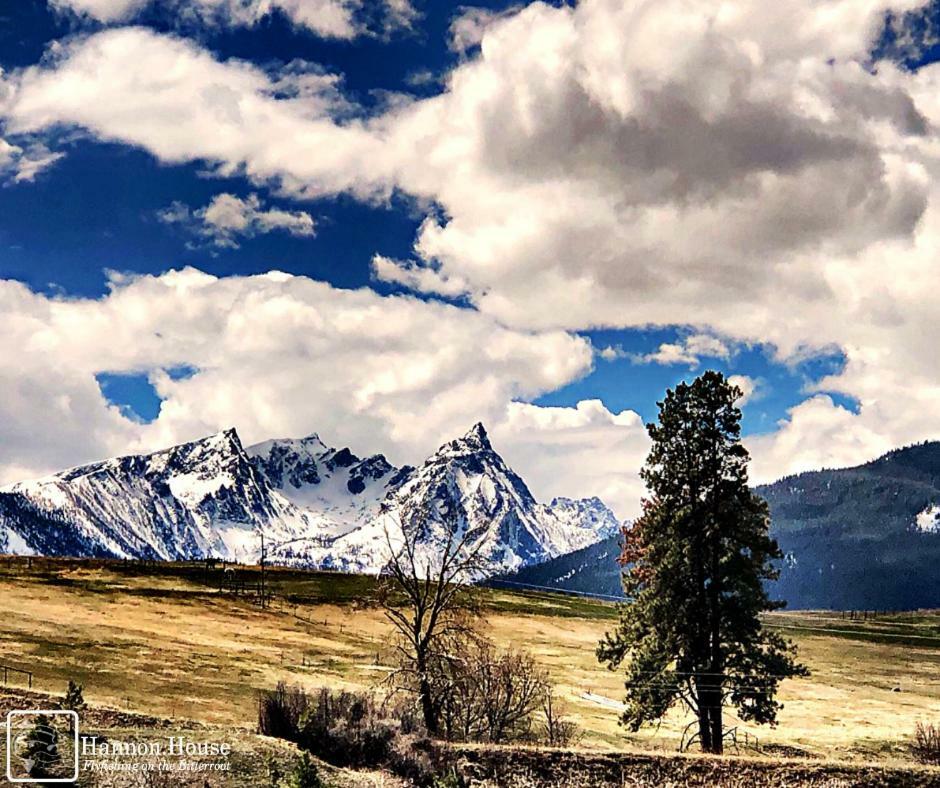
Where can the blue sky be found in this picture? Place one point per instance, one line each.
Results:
(102, 205)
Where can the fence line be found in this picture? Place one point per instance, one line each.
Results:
(8, 669)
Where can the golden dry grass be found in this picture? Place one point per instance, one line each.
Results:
(170, 646)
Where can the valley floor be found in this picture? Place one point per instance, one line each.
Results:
(162, 640)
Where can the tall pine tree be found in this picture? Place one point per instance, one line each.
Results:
(695, 566)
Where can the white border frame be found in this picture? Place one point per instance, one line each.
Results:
(34, 712)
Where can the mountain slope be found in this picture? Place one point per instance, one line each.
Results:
(866, 537)
(590, 570)
(199, 498)
(863, 537)
(316, 505)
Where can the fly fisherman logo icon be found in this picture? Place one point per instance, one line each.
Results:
(42, 746)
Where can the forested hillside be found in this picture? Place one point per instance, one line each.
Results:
(854, 538)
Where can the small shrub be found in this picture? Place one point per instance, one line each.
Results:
(345, 729)
(73, 700)
(304, 775)
(450, 779)
(350, 729)
(279, 712)
(556, 730)
(273, 769)
(424, 763)
(926, 746)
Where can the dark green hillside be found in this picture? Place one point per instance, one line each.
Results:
(591, 570)
(850, 537)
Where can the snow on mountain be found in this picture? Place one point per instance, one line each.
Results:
(337, 490)
(316, 506)
(928, 521)
(195, 499)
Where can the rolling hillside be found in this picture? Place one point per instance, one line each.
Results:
(854, 538)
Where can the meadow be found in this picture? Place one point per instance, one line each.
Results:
(161, 639)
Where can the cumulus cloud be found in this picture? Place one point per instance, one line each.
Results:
(329, 18)
(169, 96)
(228, 217)
(689, 351)
(415, 276)
(751, 388)
(468, 26)
(743, 169)
(817, 433)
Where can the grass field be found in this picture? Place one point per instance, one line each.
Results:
(162, 640)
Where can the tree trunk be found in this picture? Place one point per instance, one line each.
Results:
(716, 724)
(427, 701)
(709, 715)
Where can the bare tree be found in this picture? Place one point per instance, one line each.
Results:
(427, 595)
(512, 687)
(492, 695)
(557, 730)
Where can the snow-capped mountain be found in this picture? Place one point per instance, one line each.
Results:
(199, 498)
(508, 527)
(315, 505)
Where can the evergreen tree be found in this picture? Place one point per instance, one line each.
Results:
(74, 699)
(695, 567)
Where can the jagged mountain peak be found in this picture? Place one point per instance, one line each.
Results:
(592, 501)
(218, 450)
(223, 439)
(474, 442)
(311, 442)
(477, 437)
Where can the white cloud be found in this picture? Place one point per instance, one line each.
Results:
(415, 276)
(102, 10)
(275, 355)
(329, 18)
(751, 388)
(612, 352)
(332, 18)
(817, 434)
(228, 217)
(468, 27)
(400, 14)
(22, 165)
(688, 350)
(171, 97)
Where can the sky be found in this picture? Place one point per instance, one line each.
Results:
(386, 220)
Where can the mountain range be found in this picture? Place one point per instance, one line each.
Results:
(315, 505)
(864, 538)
